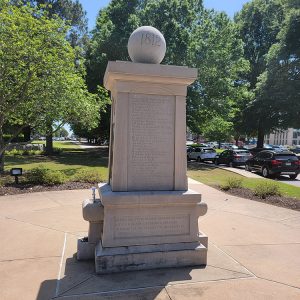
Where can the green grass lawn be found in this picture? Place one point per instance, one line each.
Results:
(219, 150)
(213, 176)
(72, 159)
(60, 144)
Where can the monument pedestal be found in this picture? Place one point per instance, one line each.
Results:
(146, 230)
(150, 218)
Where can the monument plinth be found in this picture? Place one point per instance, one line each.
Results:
(150, 218)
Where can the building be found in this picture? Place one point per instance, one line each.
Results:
(289, 137)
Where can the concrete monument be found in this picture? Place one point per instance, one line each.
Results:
(146, 217)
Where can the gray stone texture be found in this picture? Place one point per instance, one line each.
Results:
(150, 218)
(146, 45)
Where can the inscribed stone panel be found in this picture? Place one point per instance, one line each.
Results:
(151, 226)
(151, 142)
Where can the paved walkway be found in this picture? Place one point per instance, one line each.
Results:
(253, 253)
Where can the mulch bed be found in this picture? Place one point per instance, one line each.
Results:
(285, 202)
(12, 189)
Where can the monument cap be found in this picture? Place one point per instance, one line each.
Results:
(147, 45)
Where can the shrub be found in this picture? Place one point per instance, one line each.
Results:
(42, 175)
(33, 152)
(14, 152)
(265, 189)
(232, 183)
(85, 175)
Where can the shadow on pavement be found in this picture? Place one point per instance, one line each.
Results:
(79, 281)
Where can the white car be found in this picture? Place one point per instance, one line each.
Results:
(201, 154)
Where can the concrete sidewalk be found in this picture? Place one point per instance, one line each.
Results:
(254, 253)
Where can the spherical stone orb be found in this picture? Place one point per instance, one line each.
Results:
(147, 45)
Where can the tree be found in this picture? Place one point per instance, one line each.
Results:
(278, 89)
(218, 129)
(195, 37)
(259, 22)
(99, 133)
(217, 51)
(39, 78)
(70, 11)
(62, 132)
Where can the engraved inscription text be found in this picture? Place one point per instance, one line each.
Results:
(145, 226)
(151, 142)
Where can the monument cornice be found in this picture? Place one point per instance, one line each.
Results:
(154, 73)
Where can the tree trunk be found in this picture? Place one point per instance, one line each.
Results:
(1, 154)
(260, 136)
(27, 132)
(236, 138)
(49, 140)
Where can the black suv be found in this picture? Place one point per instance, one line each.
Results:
(273, 163)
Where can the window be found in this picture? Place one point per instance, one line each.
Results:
(295, 135)
(286, 157)
(294, 142)
(265, 155)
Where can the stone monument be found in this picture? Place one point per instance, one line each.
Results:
(146, 217)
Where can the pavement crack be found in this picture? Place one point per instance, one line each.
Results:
(37, 225)
(167, 293)
(278, 282)
(255, 217)
(278, 244)
(107, 293)
(234, 260)
(233, 271)
(73, 287)
(28, 258)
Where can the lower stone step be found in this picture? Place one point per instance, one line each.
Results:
(132, 258)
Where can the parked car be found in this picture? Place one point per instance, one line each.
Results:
(212, 144)
(269, 162)
(254, 151)
(233, 147)
(233, 158)
(296, 150)
(279, 148)
(226, 145)
(201, 154)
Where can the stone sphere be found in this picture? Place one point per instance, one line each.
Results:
(147, 45)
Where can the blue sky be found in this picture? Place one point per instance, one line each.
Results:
(229, 6)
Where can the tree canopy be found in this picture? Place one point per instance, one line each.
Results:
(270, 33)
(195, 37)
(278, 89)
(39, 78)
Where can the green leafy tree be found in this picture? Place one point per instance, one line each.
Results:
(221, 89)
(218, 129)
(70, 11)
(39, 78)
(114, 25)
(278, 89)
(62, 132)
(259, 23)
(195, 37)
